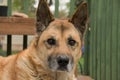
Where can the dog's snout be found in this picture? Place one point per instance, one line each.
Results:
(62, 60)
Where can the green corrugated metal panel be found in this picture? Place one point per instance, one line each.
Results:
(105, 39)
(118, 46)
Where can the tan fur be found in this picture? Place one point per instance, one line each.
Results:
(32, 63)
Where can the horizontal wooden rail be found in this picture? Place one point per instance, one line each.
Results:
(17, 26)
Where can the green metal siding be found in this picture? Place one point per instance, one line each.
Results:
(104, 59)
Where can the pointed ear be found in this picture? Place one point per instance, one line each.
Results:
(44, 16)
(80, 17)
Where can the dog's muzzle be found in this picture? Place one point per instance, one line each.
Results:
(60, 63)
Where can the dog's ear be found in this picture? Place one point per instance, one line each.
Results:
(80, 17)
(43, 15)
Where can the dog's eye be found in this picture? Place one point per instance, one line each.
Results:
(71, 42)
(51, 41)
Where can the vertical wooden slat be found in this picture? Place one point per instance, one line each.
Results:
(9, 45)
(25, 39)
(9, 7)
(25, 10)
(72, 7)
(9, 37)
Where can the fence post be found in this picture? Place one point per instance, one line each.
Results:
(25, 10)
(56, 8)
(72, 7)
(9, 37)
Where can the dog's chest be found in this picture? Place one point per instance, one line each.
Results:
(45, 77)
(53, 77)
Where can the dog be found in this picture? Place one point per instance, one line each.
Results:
(54, 52)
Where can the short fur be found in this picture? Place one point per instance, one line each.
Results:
(32, 63)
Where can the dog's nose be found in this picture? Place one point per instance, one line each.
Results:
(62, 60)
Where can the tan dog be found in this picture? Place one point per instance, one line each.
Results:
(54, 53)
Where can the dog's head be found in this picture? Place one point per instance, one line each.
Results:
(59, 41)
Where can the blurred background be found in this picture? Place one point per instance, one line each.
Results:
(101, 50)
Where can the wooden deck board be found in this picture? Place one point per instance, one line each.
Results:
(17, 26)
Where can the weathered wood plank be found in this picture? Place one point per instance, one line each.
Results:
(17, 26)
